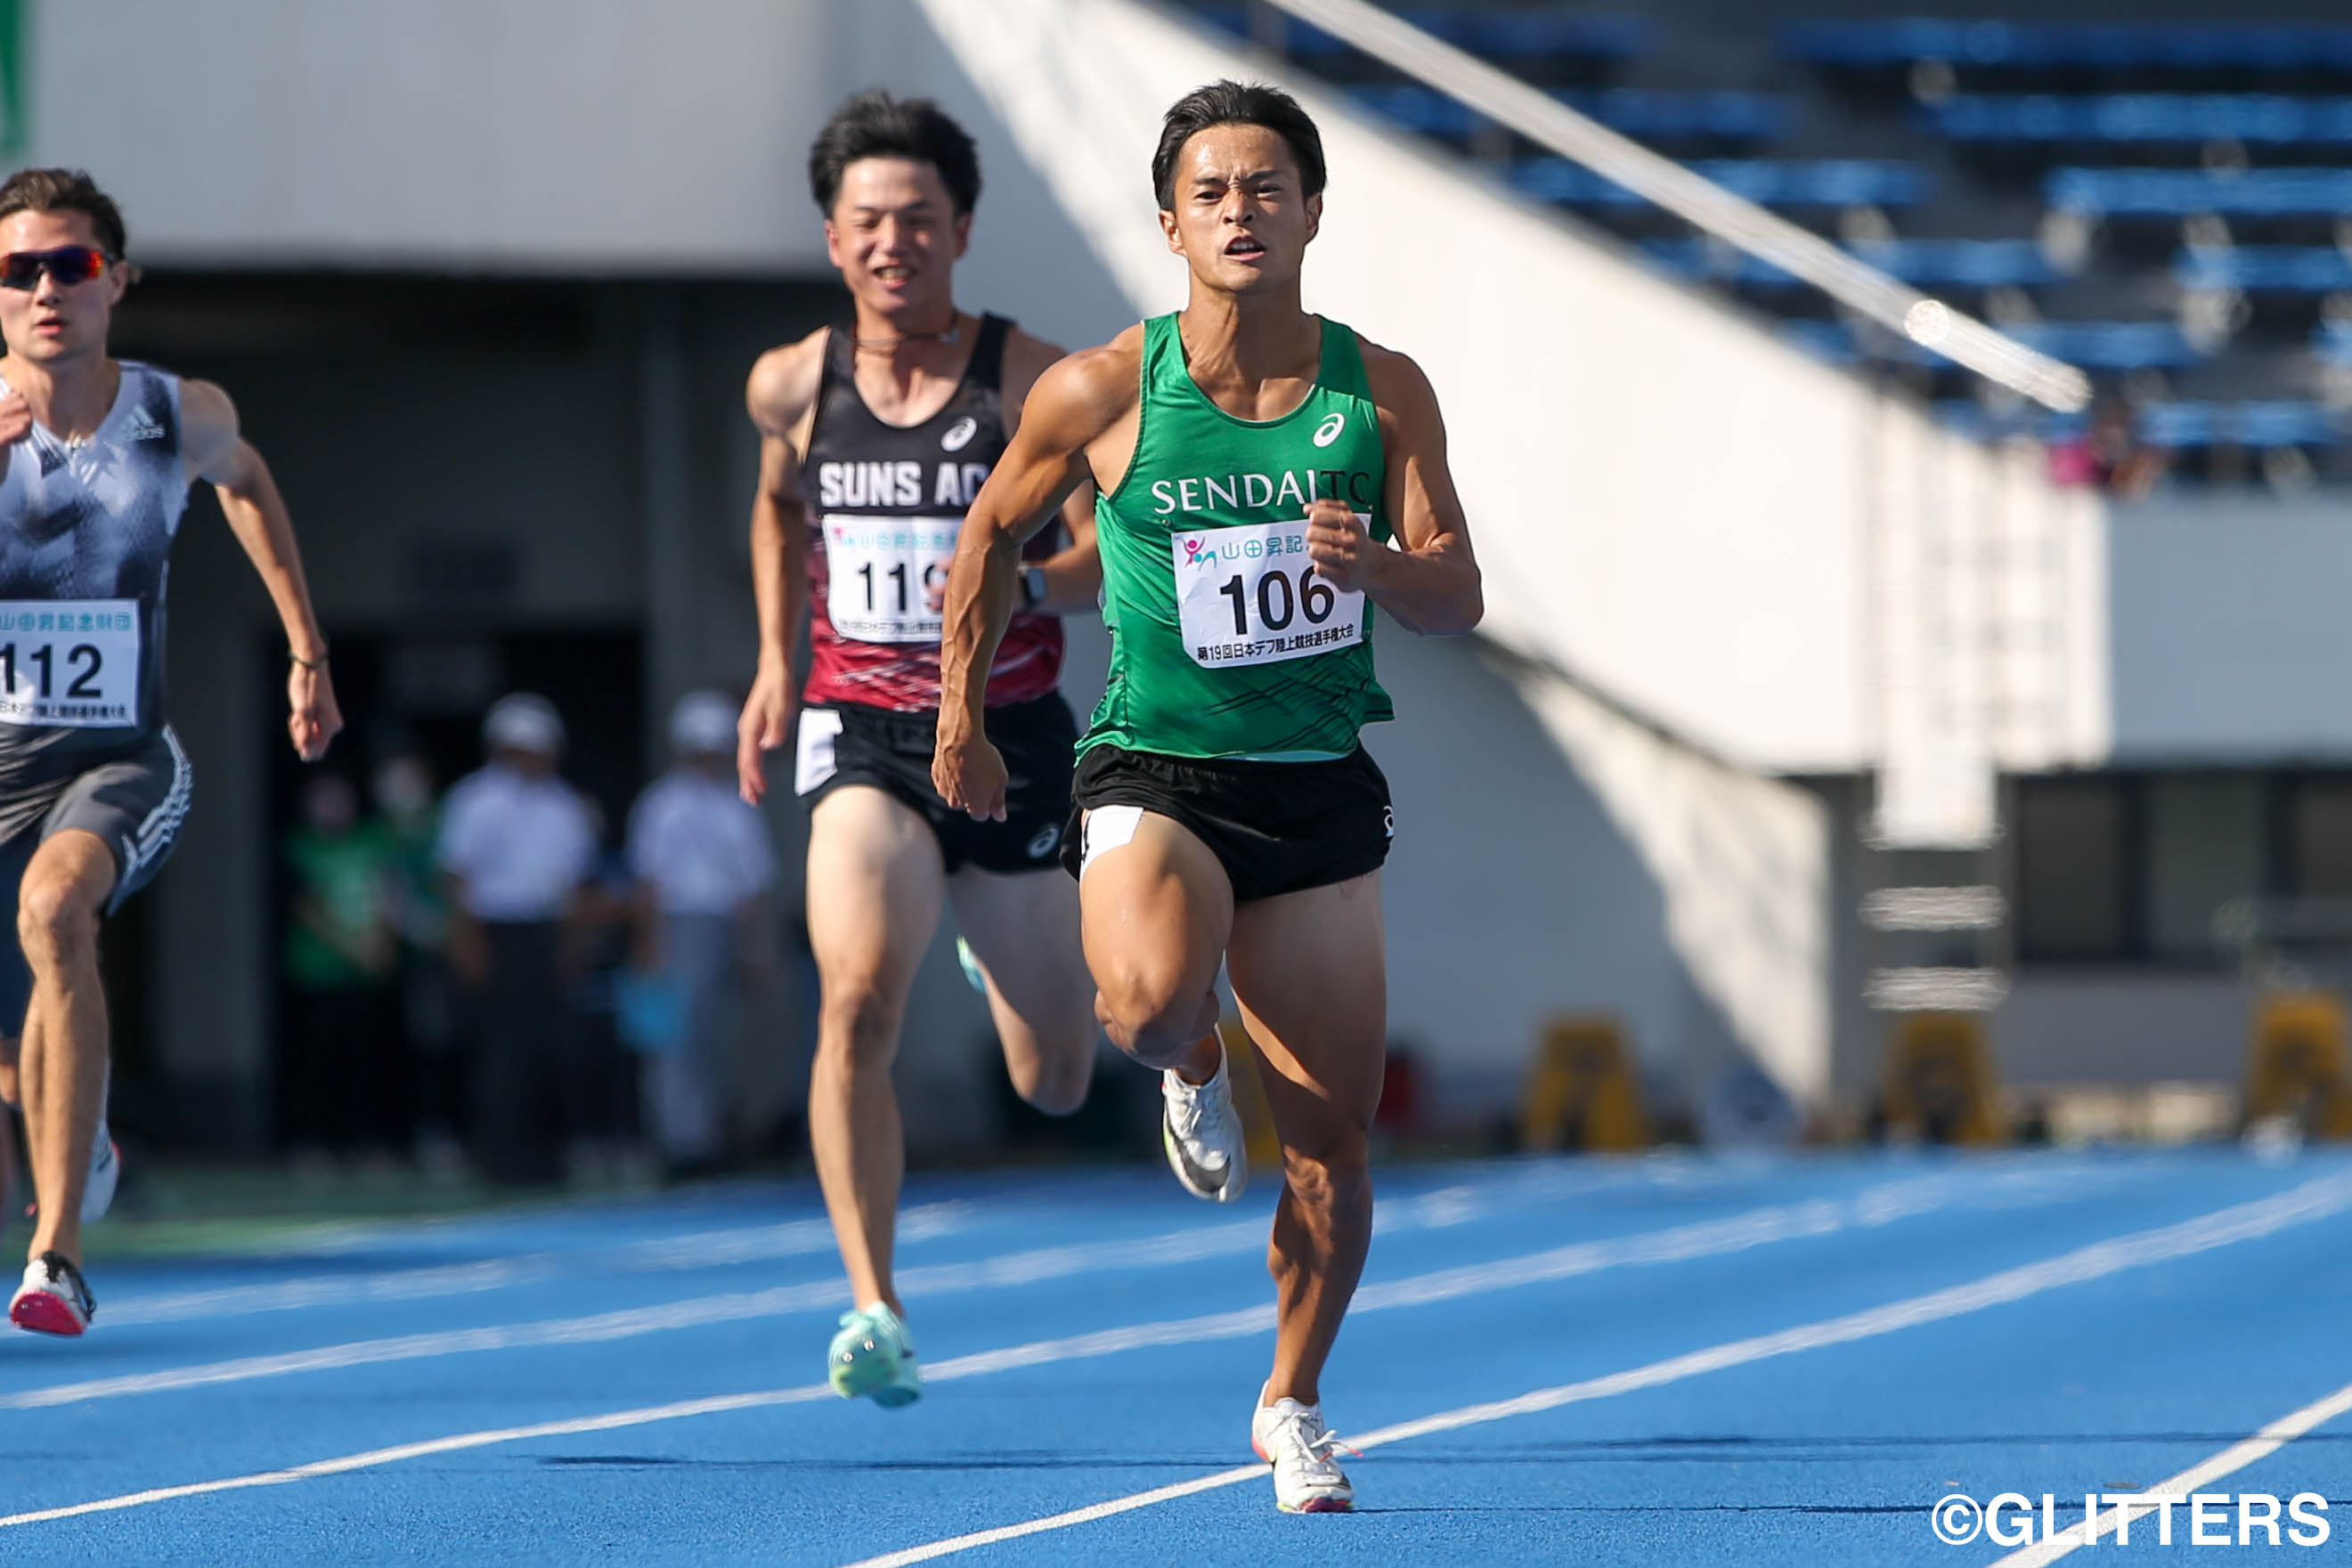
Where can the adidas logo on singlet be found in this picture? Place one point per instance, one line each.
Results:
(143, 427)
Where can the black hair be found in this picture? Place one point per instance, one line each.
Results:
(1235, 103)
(875, 125)
(65, 191)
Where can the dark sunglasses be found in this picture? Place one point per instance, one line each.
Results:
(68, 264)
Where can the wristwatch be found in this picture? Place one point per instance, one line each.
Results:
(1033, 587)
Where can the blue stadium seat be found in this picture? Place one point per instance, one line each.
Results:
(2110, 345)
(2146, 118)
(2286, 423)
(2113, 346)
(2289, 423)
(1922, 263)
(1504, 35)
(2023, 45)
(2332, 343)
(2177, 192)
(2265, 268)
(1638, 113)
(1824, 182)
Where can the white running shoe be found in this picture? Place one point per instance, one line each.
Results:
(1292, 1437)
(1202, 1134)
(105, 1176)
(54, 1299)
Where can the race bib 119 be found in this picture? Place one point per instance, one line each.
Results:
(70, 662)
(883, 574)
(1249, 595)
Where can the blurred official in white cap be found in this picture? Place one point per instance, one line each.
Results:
(703, 866)
(517, 842)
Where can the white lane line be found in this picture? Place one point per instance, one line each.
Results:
(2249, 1221)
(375, 1457)
(2314, 1200)
(1708, 1238)
(2234, 1457)
(2031, 1186)
(700, 1249)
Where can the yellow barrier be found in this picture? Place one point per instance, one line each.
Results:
(1583, 1092)
(1939, 1079)
(2295, 1063)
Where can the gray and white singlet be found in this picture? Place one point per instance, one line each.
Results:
(86, 533)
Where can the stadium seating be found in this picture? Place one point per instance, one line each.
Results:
(2266, 120)
(2264, 269)
(1772, 182)
(2152, 201)
(2082, 47)
(1922, 263)
(2180, 192)
(1733, 118)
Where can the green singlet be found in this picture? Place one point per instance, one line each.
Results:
(1224, 640)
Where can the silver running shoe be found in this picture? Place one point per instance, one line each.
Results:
(1292, 1437)
(1202, 1134)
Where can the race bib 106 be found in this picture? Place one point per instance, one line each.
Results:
(883, 574)
(1249, 595)
(70, 662)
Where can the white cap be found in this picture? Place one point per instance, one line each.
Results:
(523, 721)
(702, 722)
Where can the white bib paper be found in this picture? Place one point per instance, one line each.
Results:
(1249, 595)
(881, 573)
(70, 662)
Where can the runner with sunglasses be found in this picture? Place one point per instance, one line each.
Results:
(98, 455)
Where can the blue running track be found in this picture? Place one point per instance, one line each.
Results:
(1734, 1362)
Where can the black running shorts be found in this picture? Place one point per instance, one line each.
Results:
(1275, 827)
(136, 804)
(891, 751)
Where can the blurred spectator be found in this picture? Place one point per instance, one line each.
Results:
(608, 1148)
(703, 867)
(516, 843)
(343, 1073)
(411, 815)
(2109, 455)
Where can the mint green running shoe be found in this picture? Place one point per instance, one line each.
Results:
(972, 972)
(875, 1354)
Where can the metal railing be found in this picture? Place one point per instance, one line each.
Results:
(1541, 119)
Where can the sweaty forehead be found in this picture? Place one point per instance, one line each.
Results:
(1226, 151)
(46, 231)
(892, 184)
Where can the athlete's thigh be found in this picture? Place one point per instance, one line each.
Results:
(1023, 929)
(1155, 907)
(1309, 970)
(876, 886)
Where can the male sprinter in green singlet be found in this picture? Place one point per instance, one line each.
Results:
(1267, 477)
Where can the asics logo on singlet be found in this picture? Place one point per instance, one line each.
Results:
(1329, 431)
(958, 434)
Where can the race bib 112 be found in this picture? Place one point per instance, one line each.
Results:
(70, 662)
(1250, 595)
(883, 575)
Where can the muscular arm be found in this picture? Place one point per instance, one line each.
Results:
(1431, 584)
(1072, 406)
(1073, 574)
(782, 387)
(219, 454)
